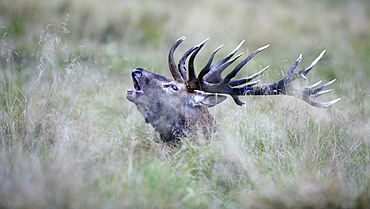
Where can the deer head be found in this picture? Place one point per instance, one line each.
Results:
(178, 108)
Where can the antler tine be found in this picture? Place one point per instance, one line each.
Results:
(328, 104)
(305, 71)
(192, 76)
(324, 86)
(214, 76)
(294, 65)
(314, 85)
(241, 81)
(321, 105)
(233, 73)
(206, 68)
(172, 65)
(214, 73)
(237, 100)
(309, 94)
(253, 83)
(182, 68)
(321, 93)
(194, 83)
(227, 57)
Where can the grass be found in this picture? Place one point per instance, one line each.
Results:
(70, 139)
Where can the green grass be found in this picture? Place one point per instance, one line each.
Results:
(70, 139)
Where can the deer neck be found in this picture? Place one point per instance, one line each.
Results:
(178, 122)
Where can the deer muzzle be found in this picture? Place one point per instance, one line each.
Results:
(132, 94)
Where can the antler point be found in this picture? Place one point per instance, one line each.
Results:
(263, 47)
(201, 43)
(218, 48)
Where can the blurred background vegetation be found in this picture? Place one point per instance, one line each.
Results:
(69, 138)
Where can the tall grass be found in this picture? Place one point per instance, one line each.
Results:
(70, 139)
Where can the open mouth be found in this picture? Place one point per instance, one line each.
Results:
(135, 76)
(136, 84)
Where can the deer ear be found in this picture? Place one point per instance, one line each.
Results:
(207, 100)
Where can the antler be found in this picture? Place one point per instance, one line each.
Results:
(174, 71)
(210, 80)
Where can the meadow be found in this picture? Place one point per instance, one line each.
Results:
(70, 139)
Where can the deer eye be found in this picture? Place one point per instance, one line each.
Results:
(173, 87)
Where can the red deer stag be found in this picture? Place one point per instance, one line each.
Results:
(178, 108)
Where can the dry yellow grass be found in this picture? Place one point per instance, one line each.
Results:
(70, 139)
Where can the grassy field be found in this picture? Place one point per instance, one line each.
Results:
(70, 139)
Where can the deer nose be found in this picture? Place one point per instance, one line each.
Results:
(137, 72)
